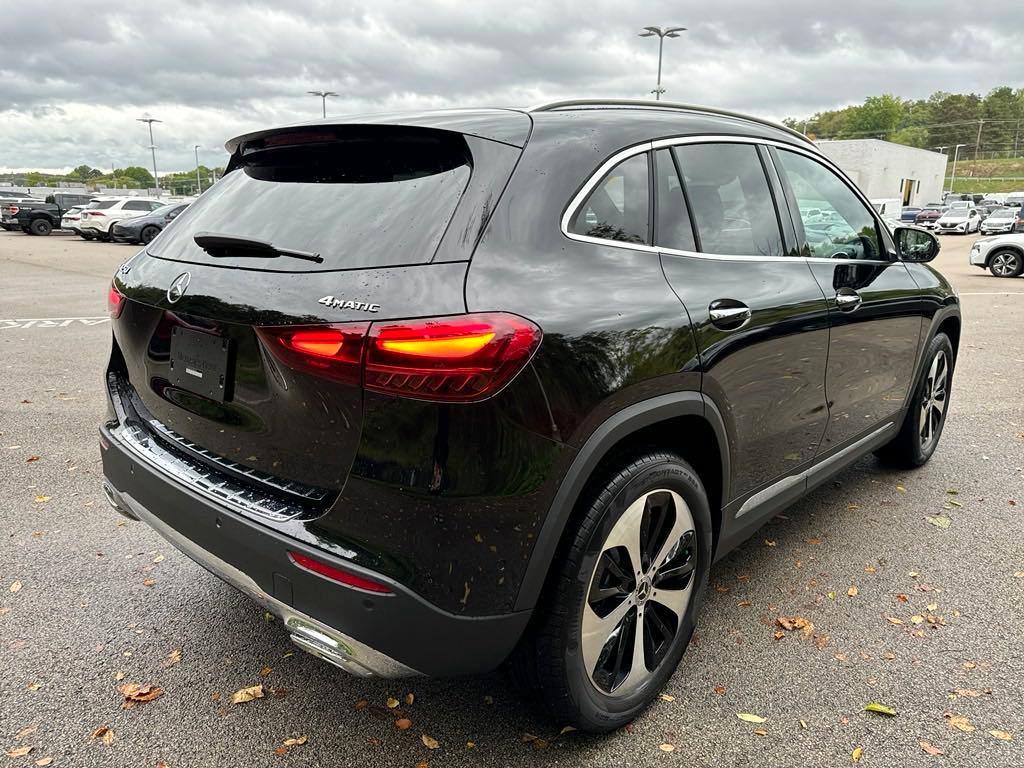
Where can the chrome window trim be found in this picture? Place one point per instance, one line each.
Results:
(595, 178)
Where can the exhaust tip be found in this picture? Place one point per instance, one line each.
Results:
(114, 499)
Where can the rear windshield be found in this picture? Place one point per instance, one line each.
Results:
(358, 197)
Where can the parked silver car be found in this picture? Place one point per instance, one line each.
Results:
(1001, 220)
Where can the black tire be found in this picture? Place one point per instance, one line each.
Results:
(549, 661)
(1006, 262)
(85, 236)
(148, 233)
(909, 449)
(41, 227)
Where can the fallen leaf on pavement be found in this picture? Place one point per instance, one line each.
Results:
(30, 459)
(409, 699)
(362, 704)
(104, 734)
(760, 732)
(1001, 735)
(931, 749)
(148, 582)
(971, 693)
(720, 690)
(296, 742)
(667, 697)
(880, 709)
(852, 592)
(26, 731)
(42, 761)
(403, 724)
(242, 695)
(666, 747)
(749, 718)
(42, 499)
(135, 694)
(857, 754)
(265, 671)
(939, 521)
(959, 722)
(172, 658)
(790, 623)
(16, 586)
(431, 743)
(20, 751)
(392, 702)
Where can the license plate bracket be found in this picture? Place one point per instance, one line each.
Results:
(201, 363)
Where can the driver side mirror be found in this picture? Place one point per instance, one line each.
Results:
(915, 245)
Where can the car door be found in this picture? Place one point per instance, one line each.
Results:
(759, 317)
(874, 312)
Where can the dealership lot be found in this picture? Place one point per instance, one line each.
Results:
(914, 582)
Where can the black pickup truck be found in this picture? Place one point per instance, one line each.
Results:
(36, 218)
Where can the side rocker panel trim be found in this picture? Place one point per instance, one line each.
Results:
(597, 446)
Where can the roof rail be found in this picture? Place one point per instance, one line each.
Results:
(570, 103)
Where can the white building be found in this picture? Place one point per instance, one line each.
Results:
(885, 170)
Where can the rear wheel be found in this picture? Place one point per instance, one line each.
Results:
(621, 609)
(922, 426)
(1006, 263)
(148, 233)
(41, 227)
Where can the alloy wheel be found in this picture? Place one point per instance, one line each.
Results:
(639, 592)
(933, 402)
(1005, 264)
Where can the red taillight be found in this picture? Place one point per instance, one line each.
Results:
(451, 359)
(115, 302)
(461, 358)
(96, 213)
(334, 351)
(12, 210)
(337, 574)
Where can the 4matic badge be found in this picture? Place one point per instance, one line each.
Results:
(335, 303)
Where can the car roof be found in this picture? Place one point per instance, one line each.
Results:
(513, 125)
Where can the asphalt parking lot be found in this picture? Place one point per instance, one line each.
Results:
(913, 581)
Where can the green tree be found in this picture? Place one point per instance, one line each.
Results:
(136, 173)
(911, 136)
(879, 115)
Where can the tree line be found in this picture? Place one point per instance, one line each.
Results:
(988, 126)
(131, 177)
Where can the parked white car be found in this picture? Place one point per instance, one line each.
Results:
(72, 218)
(1002, 255)
(102, 212)
(959, 220)
(1001, 220)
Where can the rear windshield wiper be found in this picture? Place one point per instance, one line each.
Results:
(220, 246)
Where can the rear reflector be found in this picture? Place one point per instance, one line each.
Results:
(337, 574)
(462, 358)
(115, 302)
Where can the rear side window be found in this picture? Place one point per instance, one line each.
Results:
(99, 205)
(730, 199)
(618, 208)
(138, 205)
(358, 197)
(673, 220)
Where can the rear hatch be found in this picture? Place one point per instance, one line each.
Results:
(240, 339)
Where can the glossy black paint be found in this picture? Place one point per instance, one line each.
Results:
(466, 505)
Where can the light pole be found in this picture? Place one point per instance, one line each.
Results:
(323, 96)
(149, 120)
(199, 183)
(956, 155)
(662, 33)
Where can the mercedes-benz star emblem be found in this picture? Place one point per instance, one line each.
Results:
(178, 287)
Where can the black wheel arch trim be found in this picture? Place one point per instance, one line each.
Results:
(601, 441)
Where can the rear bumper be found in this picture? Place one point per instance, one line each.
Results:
(370, 635)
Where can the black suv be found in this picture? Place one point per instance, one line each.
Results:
(532, 372)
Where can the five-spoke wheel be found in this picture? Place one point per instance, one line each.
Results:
(639, 592)
(933, 399)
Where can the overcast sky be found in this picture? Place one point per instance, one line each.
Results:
(75, 75)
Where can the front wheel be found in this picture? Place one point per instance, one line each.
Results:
(922, 426)
(41, 227)
(620, 610)
(1006, 263)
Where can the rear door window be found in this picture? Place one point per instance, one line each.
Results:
(100, 205)
(138, 205)
(730, 199)
(673, 219)
(618, 208)
(358, 197)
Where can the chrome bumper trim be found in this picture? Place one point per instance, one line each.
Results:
(307, 633)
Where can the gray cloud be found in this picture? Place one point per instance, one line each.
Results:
(73, 79)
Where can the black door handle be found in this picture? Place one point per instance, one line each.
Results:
(728, 314)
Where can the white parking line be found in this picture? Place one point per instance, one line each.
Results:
(51, 322)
